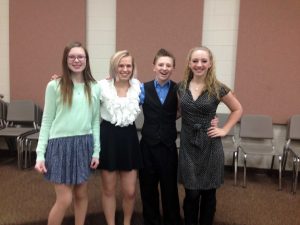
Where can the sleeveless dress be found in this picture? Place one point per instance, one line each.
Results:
(201, 158)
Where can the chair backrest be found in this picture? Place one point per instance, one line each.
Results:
(3, 112)
(178, 124)
(38, 115)
(256, 126)
(3, 106)
(21, 111)
(222, 120)
(139, 121)
(294, 128)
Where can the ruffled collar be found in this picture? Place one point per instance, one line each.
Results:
(122, 110)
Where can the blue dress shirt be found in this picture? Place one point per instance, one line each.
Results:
(161, 91)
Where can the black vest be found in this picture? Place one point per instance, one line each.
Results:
(159, 119)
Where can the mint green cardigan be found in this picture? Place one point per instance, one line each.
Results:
(59, 120)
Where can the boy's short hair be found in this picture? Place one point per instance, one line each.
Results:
(161, 53)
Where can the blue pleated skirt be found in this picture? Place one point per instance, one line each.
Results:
(68, 159)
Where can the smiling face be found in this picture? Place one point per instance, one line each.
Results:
(77, 60)
(163, 68)
(125, 69)
(200, 63)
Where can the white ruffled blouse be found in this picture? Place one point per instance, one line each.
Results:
(121, 111)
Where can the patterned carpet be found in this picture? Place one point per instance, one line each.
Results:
(26, 198)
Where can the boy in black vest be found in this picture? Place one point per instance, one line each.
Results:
(159, 151)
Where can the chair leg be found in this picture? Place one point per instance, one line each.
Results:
(284, 158)
(293, 174)
(19, 152)
(296, 174)
(235, 167)
(26, 153)
(22, 153)
(29, 152)
(245, 172)
(272, 163)
(11, 144)
(280, 172)
(233, 159)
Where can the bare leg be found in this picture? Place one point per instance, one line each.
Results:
(80, 203)
(109, 181)
(63, 201)
(128, 187)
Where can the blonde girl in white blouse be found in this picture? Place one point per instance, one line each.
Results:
(120, 152)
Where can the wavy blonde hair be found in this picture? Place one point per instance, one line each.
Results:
(212, 85)
(115, 60)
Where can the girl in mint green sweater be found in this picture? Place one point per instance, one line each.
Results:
(69, 144)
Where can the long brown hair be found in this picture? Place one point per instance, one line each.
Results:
(66, 83)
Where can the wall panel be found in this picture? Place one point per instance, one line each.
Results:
(39, 31)
(268, 53)
(143, 28)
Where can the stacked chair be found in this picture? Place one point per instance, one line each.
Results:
(31, 138)
(229, 143)
(27, 144)
(256, 138)
(3, 111)
(21, 120)
(293, 146)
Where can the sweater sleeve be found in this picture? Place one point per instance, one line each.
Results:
(48, 117)
(96, 124)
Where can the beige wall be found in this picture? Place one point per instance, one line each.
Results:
(101, 35)
(4, 46)
(39, 31)
(220, 28)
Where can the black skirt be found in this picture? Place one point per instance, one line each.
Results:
(120, 149)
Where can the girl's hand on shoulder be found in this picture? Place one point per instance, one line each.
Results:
(55, 77)
(40, 167)
(94, 163)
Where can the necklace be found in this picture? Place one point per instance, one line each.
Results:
(197, 88)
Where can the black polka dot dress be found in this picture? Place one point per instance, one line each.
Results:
(201, 158)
